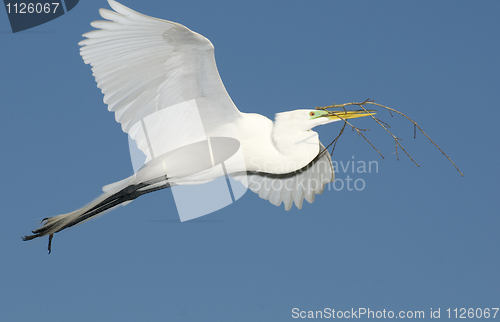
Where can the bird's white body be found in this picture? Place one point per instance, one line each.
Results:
(161, 81)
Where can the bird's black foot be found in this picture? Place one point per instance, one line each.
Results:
(50, 242)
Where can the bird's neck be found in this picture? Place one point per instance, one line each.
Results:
(274, 147)
(287, 142)
(295, 144)
(289, 132)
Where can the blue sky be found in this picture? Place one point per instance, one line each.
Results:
(414, 238)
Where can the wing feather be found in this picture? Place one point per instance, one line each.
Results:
(144, 64)
(293, 187)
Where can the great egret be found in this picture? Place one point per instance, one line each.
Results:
(161, 80)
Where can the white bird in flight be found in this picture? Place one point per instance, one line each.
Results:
(161, 81)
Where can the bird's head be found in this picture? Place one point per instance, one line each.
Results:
(304, 120)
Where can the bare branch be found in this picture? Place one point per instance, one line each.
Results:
(385, 126)
(358, 130)
(396, 140)
(425, 134)
(334, 142)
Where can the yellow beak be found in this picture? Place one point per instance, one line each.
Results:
(344, 115)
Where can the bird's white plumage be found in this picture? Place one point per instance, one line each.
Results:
(143, 64)
(161, 81)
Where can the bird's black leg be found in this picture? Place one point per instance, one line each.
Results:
(127, 194)
(50, 242)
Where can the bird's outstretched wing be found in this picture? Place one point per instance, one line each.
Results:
(296, 186)
(144, 65)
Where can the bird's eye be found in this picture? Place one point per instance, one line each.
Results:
(312, 113)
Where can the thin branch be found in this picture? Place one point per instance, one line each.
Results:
(425, 134)
(334, 142)
(385, 126)
(396, 140)
(356, 129)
